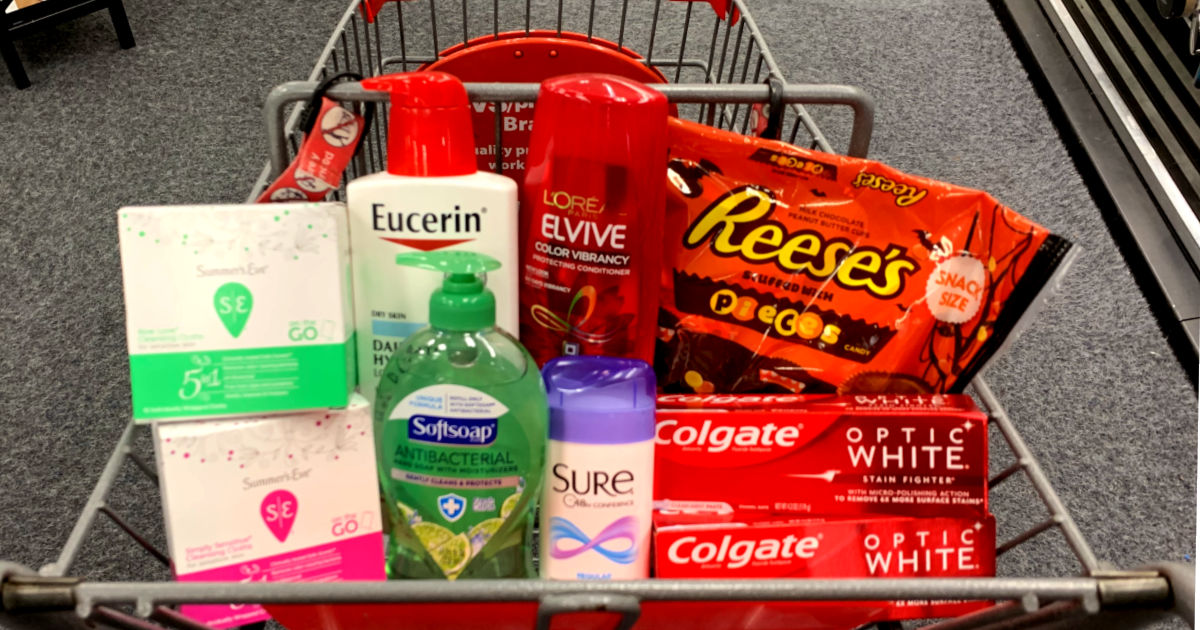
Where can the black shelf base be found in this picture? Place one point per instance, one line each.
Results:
(49, 13)
(1130, 191)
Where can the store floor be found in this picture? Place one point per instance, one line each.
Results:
(1092, 385)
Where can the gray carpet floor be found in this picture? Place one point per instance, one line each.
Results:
(1091, 384)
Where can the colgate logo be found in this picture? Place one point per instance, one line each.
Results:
(735, 555)
(717, 439)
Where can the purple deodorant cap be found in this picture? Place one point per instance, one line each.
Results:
(600, 400)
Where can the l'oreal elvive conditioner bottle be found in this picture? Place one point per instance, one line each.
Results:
(431, 198)
(591, 218)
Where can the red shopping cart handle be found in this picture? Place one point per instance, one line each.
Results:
(371, 8)
(722, 7)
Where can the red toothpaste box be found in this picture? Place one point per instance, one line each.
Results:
(879, 547)
(855, 455)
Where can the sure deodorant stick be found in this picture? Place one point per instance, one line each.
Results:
(598, 497)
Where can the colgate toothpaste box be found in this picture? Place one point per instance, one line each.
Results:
(855, 455)
(880, 547)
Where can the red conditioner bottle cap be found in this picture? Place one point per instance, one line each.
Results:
(600, 117)
(429, 128)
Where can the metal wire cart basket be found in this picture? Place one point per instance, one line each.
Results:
(714, 65)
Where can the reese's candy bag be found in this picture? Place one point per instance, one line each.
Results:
(787, 269)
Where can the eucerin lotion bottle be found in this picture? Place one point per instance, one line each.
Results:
(431, 198)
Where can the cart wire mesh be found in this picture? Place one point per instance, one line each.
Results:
(687, 42)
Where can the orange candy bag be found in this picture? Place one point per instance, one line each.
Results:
(790, 270)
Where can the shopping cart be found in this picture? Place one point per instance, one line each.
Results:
(719, 71)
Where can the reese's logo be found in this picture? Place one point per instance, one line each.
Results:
(905, 194)
(738, 224)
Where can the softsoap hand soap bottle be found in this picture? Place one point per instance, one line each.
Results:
(431, 198)
(461, 425)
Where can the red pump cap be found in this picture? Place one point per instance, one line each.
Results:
(429, 128)
(600, 117)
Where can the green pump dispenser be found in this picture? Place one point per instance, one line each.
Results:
(464, 302)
